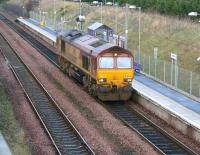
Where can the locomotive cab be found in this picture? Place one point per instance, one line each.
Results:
(115, 74)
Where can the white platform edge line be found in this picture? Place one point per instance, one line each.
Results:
(168, 104)
(39, 30)
(4, 148)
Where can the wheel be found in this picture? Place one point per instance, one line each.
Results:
(85, 82)
(70, 72)
(92, 89)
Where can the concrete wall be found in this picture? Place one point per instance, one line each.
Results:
(173, 120)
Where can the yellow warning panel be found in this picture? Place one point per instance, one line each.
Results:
(42, 23)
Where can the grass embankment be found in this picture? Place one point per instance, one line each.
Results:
(10, 127)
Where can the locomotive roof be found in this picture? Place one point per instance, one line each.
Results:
(86, 42)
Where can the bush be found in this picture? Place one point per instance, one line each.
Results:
(179, 8)
(173, 7)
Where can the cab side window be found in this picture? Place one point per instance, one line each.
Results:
(62, 46)
(85, 62)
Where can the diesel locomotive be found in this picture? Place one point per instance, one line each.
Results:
(104, 69)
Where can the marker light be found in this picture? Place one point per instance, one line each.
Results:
(102, 80)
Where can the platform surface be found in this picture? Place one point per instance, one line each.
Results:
(4, 149)
(46, 31)
(171, 100)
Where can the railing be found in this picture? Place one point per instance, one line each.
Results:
(174, 76)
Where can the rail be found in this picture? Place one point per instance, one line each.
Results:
(162, 141)
(63, 134)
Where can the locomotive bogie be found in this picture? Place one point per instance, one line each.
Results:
(112, 94)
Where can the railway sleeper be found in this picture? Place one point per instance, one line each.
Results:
(61, 130)
(74, 147)
(75, 153)
(71, 142)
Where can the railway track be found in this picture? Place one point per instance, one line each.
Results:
(157, 137)
(64, 136)
(34, 42)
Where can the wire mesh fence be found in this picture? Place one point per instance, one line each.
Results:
(170, 74)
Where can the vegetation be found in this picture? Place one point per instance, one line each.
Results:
(2, 1)
(169, 7)
(9, 126)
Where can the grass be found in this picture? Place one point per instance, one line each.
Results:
(10, 127)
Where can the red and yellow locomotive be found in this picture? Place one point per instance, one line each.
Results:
(104, 69)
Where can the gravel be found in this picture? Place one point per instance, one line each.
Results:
(35, 136)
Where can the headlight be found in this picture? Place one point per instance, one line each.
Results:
(102, 80)
(127, 79)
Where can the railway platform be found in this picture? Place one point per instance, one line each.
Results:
(180, 111)
(43, 30)
(4, 149)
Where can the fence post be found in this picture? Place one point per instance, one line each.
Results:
(144, 64)
(134, 56)
(155, 67)
(190, 82)
(155, 52)
(149, 66)
(164, 71)
(199, 91)
(175, 74)
(171, 72)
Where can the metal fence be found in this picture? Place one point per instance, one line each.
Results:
(170, 74)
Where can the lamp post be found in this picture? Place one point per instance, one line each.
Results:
(126, 27)
(44, 17)
(193, 14)
(23, 11)
(64, 10)
(40, 16)
(80, 7)
(39, 11)
(116, 10)
(101, 13)
(198, 59)
(139, 29)
(54, 13)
